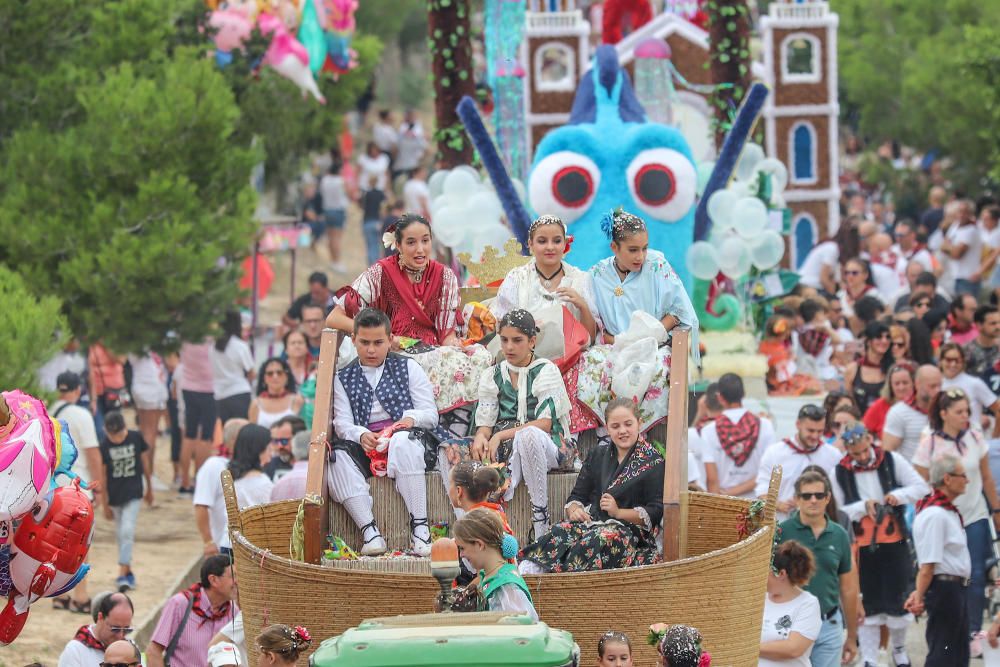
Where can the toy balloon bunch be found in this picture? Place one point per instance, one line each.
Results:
(741, 234)
(466, 212)
(45, 530)
(325, 33)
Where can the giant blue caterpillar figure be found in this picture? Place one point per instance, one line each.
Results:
(610, 156)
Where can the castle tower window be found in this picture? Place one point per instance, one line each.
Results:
(803, 239)
(800, 58)
(803, 153)
(555, 67)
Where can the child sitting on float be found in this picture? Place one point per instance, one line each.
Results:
(634, 280)
(522, 417)
(678, 646)
(375, 392)
(614, 511)
(473, 483)
(487, 546)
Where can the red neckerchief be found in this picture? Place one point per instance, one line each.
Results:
(738, 439)
(958, 441)
(496, 507)
(912, 402)
(956, 327)
(938, 499)
(813, 340)
(852, 465)
(799, 449)
(223, 451)
(194, 593)
(852, 298)
(917, 247)
(87, 638)
(708, 419)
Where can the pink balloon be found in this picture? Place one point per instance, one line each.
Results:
(288, 56)
(233, 28)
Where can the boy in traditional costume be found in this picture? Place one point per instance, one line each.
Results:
(375, 392)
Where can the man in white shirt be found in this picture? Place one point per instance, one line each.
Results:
(945, 566)
(112, 616)
(416, 194)
(872, 487)
(905, 423)
(378, 394)
(209, 504)
(412, 145)
(883, 265)
(794, 455)
(908, 249)
(384, 134)
(734, 443)
(962, 246)
(820, 267)
(709, 408)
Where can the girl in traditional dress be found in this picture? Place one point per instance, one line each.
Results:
(522, 417)
(614, 650)
(484, 543)
(615, 508)
(281, 645)
(633, 279)
(547, 281)
(421, 297)
(472, 485)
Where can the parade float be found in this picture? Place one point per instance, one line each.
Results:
(716, 554)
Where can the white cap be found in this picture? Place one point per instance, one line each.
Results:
(223, 653)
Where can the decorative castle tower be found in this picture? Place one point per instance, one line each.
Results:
(800, 115)
(555, 52)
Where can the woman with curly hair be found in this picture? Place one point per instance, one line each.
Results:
(791, 615)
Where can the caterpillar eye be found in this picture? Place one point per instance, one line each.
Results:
(662, 182)
(564, 184)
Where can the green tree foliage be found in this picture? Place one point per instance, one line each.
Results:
(982, 60)
(907, 71)
(126, 155)
(127, 213)
(33, 331)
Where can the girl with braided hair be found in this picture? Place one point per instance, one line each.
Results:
(282, 645)
(634, 280)
(521, 420)
(487, 546)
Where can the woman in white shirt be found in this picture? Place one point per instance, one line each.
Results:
(791, 615)
(981, 397)
(251, 453)
(232, 370)
(333, 193)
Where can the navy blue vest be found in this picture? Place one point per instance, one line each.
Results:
(393, 390)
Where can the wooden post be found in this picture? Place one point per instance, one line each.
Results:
(675, 479)
(317, 515)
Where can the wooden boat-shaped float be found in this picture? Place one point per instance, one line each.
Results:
(710, 578)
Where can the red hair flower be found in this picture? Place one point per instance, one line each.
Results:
(569, 243)
(706, 660)
(302, 633)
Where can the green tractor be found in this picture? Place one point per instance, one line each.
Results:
(476, 639)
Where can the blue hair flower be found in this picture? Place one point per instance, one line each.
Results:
(508, 546)
(608, 222)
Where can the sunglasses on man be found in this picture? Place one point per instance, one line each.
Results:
(818, 495)
(120, 664)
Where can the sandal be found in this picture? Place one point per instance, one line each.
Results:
(80, 607)
(62, 602)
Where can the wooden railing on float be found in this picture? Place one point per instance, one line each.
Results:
(674, 482)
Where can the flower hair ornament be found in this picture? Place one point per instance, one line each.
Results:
(618, 223)
(302, 634)
(521, 320)
(680, 645)
(547, 219)
(389, 238)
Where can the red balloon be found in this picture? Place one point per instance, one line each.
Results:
(265, 275)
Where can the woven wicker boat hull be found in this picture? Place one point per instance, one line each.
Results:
(719, 588)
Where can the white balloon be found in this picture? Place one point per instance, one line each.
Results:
(450, 225)
(485, 207)
(469, 170)
(493, 235)
(767, 249)
(720, 208)
(460, 183)
(436, 183)
(752, 154)
(778, 173)
(749, 217)
(442, 201)
(734, 257)
(702, 260)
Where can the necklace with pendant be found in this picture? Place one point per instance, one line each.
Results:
(547, 280)
(416, 275)
(619, 290)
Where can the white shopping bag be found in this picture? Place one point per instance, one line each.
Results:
(641, 325)
(633, 369)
